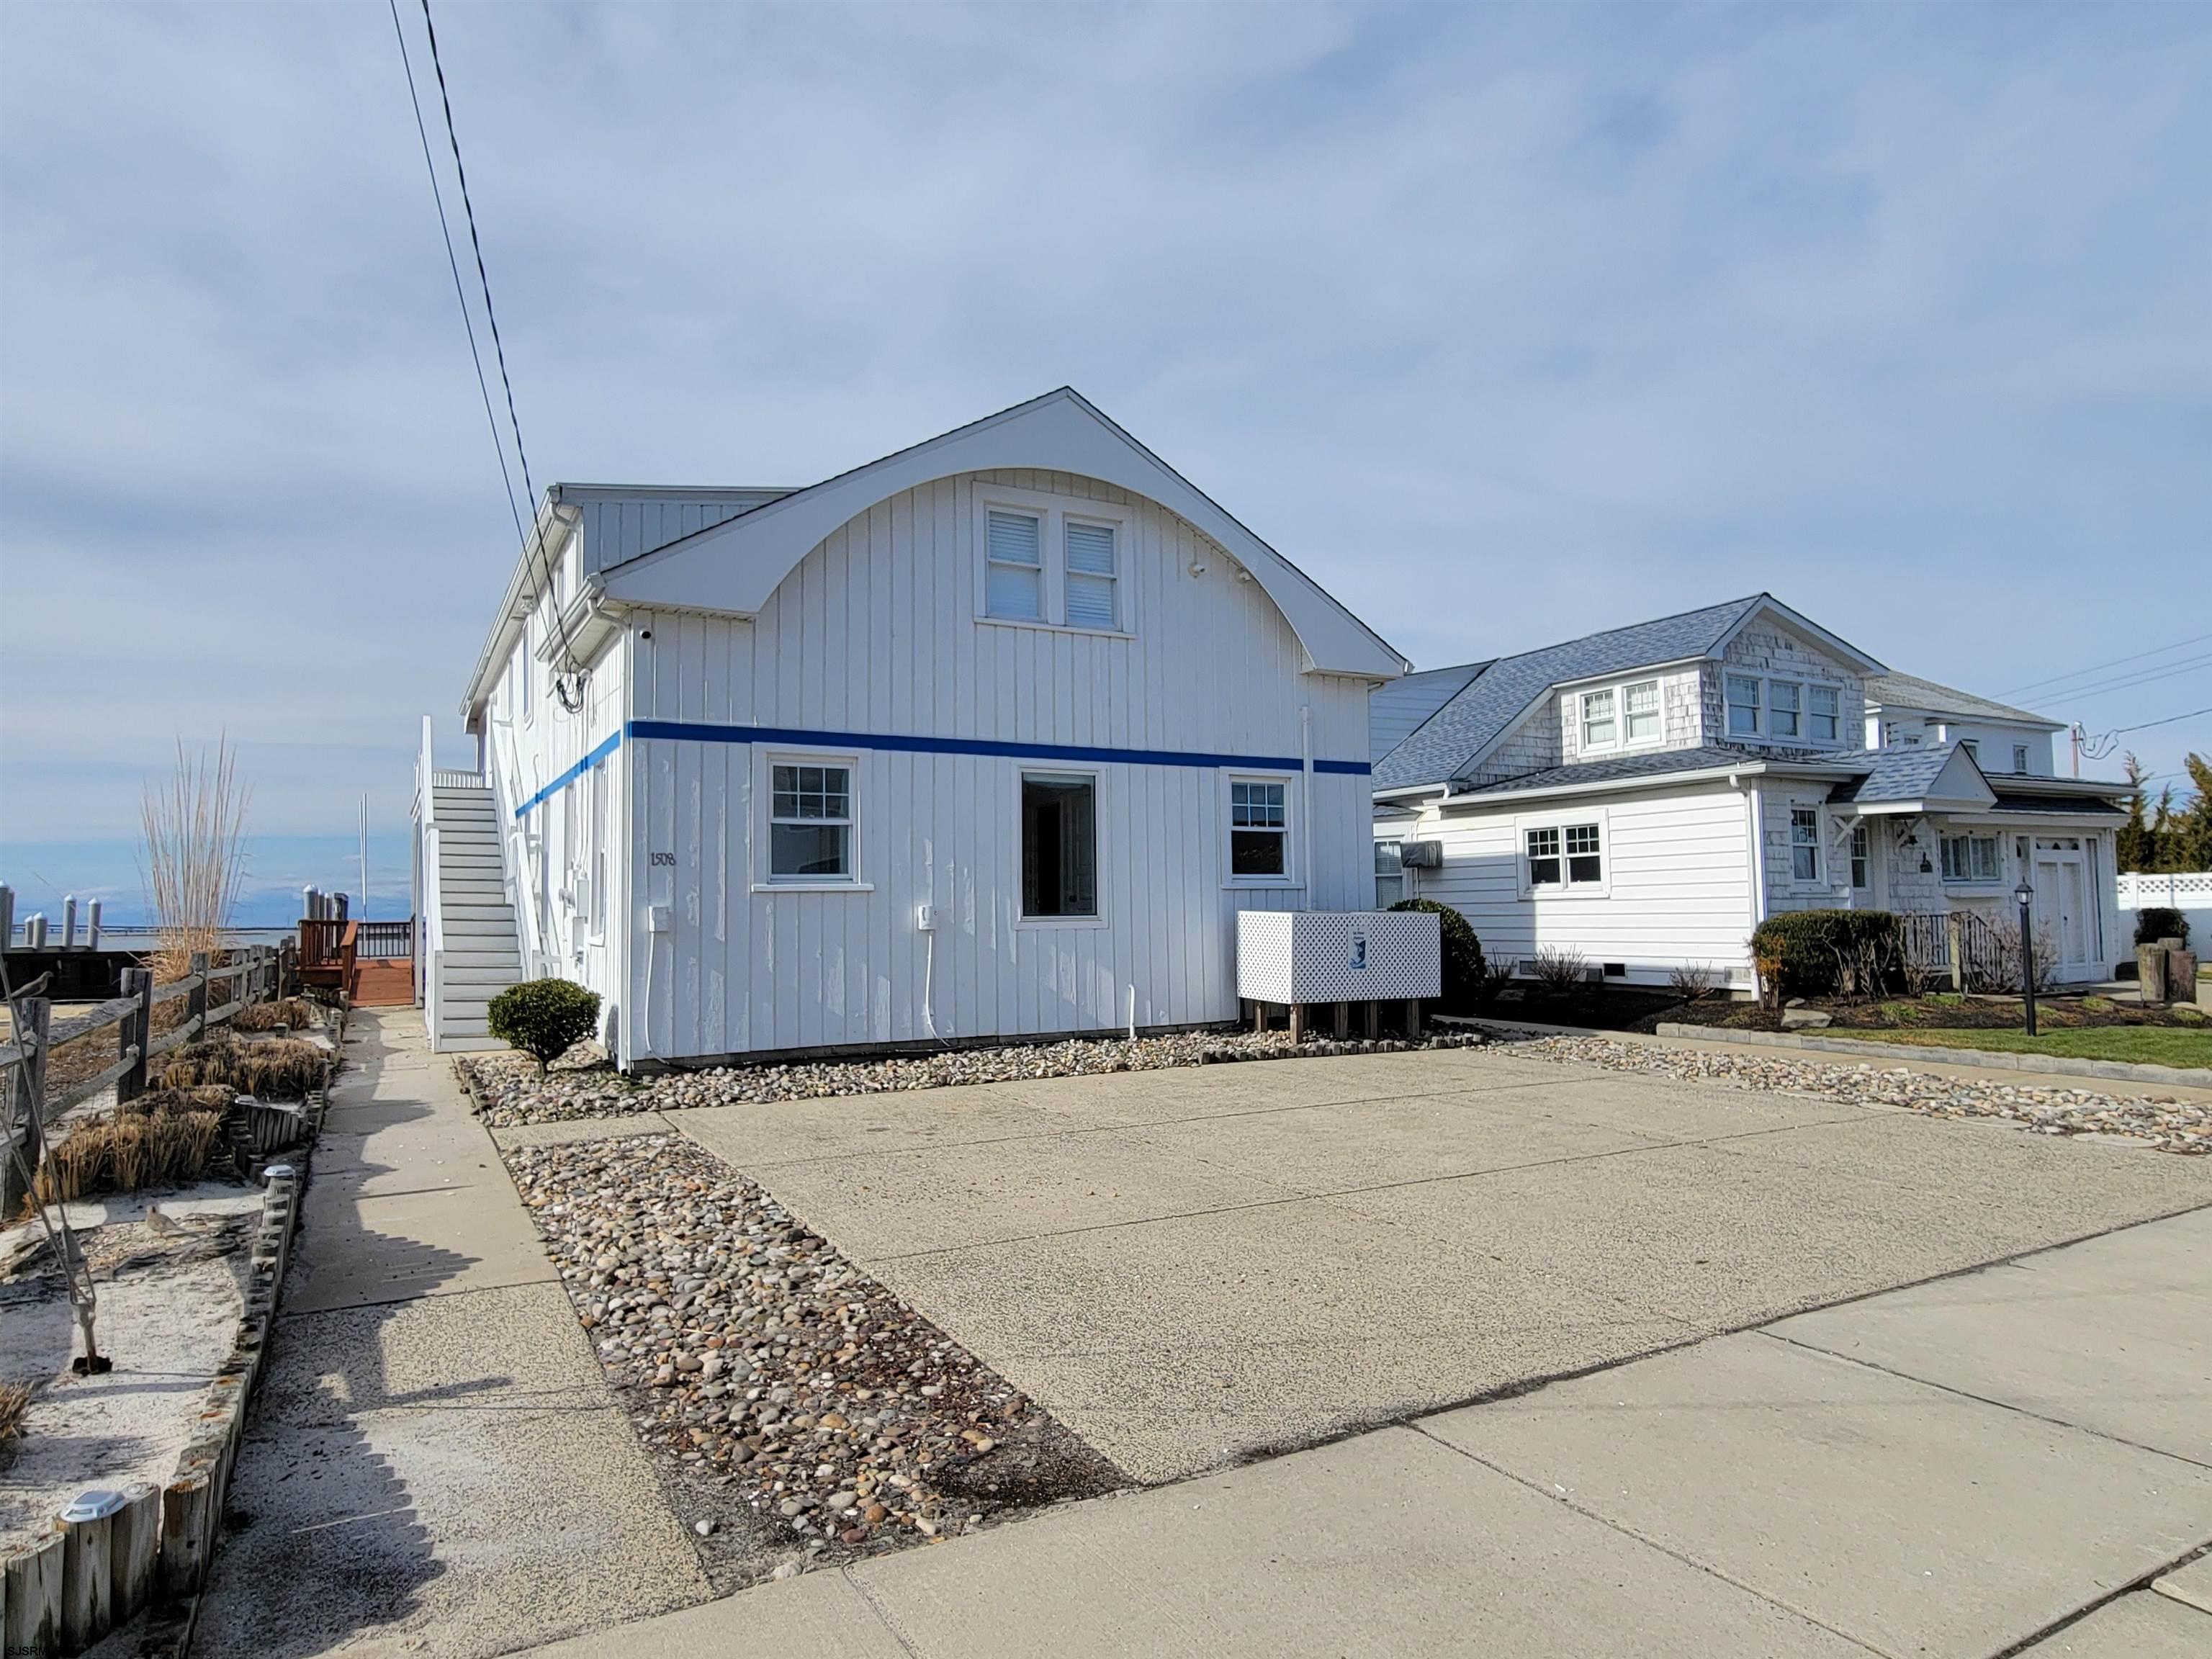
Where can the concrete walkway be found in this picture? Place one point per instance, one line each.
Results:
(2021, 1455)
(435, 1462)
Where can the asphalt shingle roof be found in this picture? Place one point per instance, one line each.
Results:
(1618, 768)
(1911, 692)
(1441, 749)
(1899, 774)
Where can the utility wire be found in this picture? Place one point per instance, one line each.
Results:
(2128, 681)
(2079, 673)
(570, 700)
(2147, 725)
(438, 195)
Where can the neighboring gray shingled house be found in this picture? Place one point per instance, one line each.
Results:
(1646, 795)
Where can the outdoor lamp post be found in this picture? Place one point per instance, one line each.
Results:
(2026, 895)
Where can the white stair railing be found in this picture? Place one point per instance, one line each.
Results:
(431, 947)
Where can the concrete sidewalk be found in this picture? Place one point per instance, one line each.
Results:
(2013, 1455)
(435, 1461)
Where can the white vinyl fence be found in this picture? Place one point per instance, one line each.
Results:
(2188, 891)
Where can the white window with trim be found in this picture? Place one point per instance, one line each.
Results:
(1013, 573)
(1049, 561)
(810, 822)
(1785, 711)
(1973, 748)
(1617, 716)
(1564, 857)
(1641, 721)
(1390, 873)
(2019, 759)
(1259, 831)
(1805, 845)
(1862, 859)
(1743, 706)
(1823, 714)
(1093, 554)
(1971, 858)
(1600, 729)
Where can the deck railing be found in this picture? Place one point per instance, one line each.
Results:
(386, 941)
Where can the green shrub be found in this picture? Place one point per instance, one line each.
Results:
(544, 1017)
(2159, 922)
(1462, 952)
(1858, 952)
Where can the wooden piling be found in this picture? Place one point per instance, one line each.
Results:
(87, 1569)
(133, 1548)
(33, 1619)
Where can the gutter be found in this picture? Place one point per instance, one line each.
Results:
(522, 596)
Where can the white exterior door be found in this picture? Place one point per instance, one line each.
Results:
(2063, 906)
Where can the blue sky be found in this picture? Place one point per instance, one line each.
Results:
(1506, 323)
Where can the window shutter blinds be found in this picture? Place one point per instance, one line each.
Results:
(1090, 576)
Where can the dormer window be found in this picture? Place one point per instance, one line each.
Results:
(1785, 700)
(1823, 721)
(1598, 726)
(1642, 705)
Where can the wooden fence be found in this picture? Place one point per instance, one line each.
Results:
(213, 997)
(1960, 946)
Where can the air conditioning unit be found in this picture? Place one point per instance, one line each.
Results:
(1421, 855)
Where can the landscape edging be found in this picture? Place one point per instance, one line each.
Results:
(2002, 1060)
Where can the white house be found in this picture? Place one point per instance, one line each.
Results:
(993, 736)
(1646, 796)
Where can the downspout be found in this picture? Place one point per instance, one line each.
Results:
(1305, 817)
(1755, 827)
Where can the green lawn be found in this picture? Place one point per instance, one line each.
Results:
(2140, 1045)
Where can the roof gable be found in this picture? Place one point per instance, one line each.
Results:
(1943, 776)
(735, 566)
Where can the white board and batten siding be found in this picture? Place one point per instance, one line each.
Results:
(876, 632)
(1677, 891)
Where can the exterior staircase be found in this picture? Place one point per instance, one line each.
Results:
(476, 956)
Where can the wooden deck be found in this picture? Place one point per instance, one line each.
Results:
(371, 961)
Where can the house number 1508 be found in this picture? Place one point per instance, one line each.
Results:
(668, 859)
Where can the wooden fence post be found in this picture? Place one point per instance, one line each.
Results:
(1955, 937)
(135, 1030)
(195, 1003)
(25, 1094)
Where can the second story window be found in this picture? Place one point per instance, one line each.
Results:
(1092, 576)
(1642, 706)
(2020, 758)
(1598, 727)
(1823, 716)
(1785, 700)
(1743, 706)
(1014, 579)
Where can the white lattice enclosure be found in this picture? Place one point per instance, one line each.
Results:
(1337, 955)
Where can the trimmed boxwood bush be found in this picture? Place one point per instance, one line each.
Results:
(544, 1017)
(1462, 952)
(1815, 945)
(2159, 922)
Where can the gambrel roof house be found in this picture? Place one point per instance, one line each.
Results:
(994, 736)
(1646, 795)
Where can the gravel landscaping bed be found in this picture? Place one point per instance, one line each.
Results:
(798, 1413)
(2172, 1126)
(509, 1092)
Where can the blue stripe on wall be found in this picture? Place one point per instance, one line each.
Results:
(606, 747)
(699, 731)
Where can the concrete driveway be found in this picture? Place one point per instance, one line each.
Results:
(1192, 1267)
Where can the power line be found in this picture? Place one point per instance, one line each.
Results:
(437, 195)
(2129, 682)
(2132, 657)
(2169, 721)
(570, 700)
